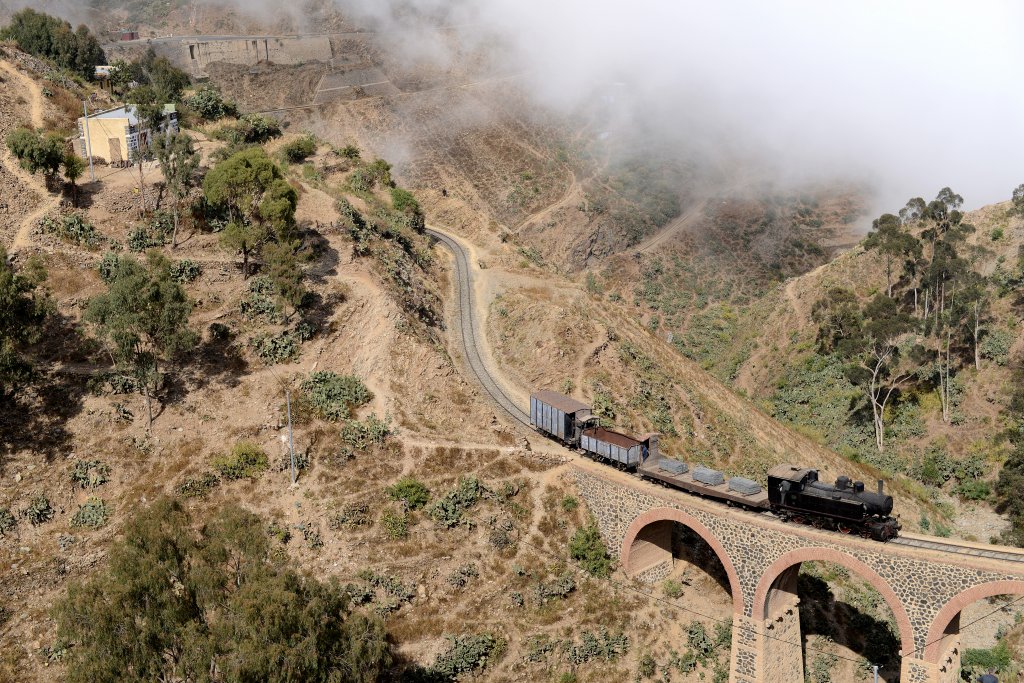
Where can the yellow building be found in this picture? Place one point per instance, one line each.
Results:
(113, 136)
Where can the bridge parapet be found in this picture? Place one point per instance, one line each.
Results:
(761, 556)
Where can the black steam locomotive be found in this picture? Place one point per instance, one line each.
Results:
(794, 493)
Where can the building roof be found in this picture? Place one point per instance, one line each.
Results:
(608, 436)
(560, 401)
(125, 112)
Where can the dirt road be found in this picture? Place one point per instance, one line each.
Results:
(22, 238)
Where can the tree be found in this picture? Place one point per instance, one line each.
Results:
(285, 273)
(143, 319)
(1018, 199)
(22, 313)
(45, 36)
(588, 548)
(37, 152)
(894, 244)
(125, 75)
(881, 356)
(259, 201)
(178, 161)
(74, 167)
(217, 605)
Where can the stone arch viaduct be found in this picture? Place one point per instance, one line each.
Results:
(925, 588)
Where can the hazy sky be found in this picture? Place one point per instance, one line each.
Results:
(911, 96)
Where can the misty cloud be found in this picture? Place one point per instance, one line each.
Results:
(907, 96)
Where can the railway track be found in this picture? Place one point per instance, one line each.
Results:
(472, 341)
(940, 545)
(471, 338)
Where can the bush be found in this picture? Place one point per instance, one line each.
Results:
(39, 511)
(996, 345)
(93, 513)
(71, 227)
(469, 653)
(448, 511)
(260, 302)
(560, 588)
(672, 589)
(974, 490)
(395, 524)
(588, 548)
(411, 490)
(297, 150)
(461, 576)
(208, 103)
(569, 503)
(88, 474)
(360, 435)
(7, 521)
(108, 266)
(252, 129)
(195, 487)
(276, 348)
(185, 271)
(602, 645)
(335, 396)
(246, 460)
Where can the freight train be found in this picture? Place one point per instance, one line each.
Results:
(793, 494)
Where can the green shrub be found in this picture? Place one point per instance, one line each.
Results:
(647, 667)
(395, 524)
(246, 460)
(208, 103)
(71, 227)
(974, 490)
(39, 511)
(469, 653)
(998, 658)
(450, 510)
(588, 548)
(195, 487)
(252, 129)
(411, 490)
(185, 271)
(260, 301)
(602, 645)
(93, 514)
(559, 588)
(335, 396)
(461, 576)
(108, 266)
(672, 589)
(996, 345)
(360, 435)
(7, 521)
(276, 348)
(88, 474)
(297, 150)
(569, 503)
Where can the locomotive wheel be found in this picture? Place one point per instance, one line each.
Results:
(843, 529)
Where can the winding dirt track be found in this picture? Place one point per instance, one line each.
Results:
(22, 237)
(472, 340)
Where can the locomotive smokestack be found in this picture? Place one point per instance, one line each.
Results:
(881, 485)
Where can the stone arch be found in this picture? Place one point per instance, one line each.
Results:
(950, 612)
(665, 514)
(784, 571)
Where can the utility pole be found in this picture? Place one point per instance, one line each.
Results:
(88, 141)
(291, 446)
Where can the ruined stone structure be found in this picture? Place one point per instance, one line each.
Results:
(196, 54)
(925, 589)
